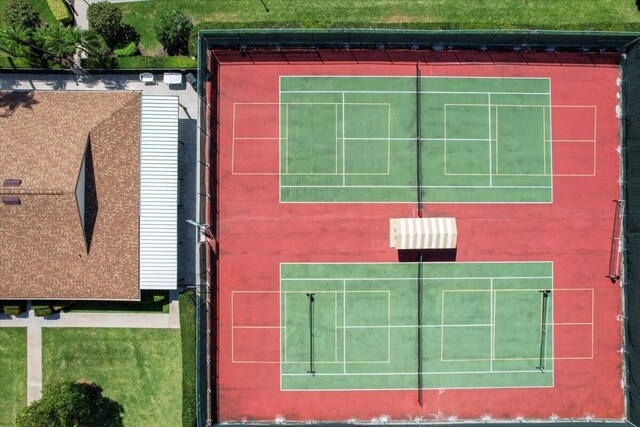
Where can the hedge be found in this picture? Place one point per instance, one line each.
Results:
(143, 63)
(319, 23)
(12, 310)
(60, 11)
(13, 63)
(43, 311)
(187, 305)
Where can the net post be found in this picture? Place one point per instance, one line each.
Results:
(418, 141)
(419, 285)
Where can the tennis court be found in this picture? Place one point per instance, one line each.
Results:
(357, 139)
(322, 317)
(357, 326)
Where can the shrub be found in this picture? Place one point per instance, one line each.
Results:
(129, 50)
(60, 11)
(106, 19)
(186, 300)
(12, 310)
(172, 29)
(19, 13)
(43, 311)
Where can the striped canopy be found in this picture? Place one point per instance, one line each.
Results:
(423, 233)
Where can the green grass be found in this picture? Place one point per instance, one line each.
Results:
(431, 14)
(139, 368)
(188, 338)
(481, 325)
(13, 365)
(354, 139)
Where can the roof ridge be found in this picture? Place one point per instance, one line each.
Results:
(135, 96)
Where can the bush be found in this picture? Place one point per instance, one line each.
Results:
(13, 310)
(186, 301)
(139, 63)
(43, 311)
(19, 13)
(60, 11)
(129, 50)
(173, 29)
(106, 19)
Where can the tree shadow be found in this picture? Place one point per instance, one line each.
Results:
(428, 255)
(11, 101)
(90, 197)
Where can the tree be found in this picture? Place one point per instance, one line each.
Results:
(56, 41)
(20, 13)
(16, 41)
(106, 19)
(172, 29)
(79, 404)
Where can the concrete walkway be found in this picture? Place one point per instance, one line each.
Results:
(35, 324)
(34, 358)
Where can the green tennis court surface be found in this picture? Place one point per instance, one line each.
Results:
(482, 326)
(353, 139)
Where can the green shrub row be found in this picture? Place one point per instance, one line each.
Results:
(60, 11)
(187, 305)
(43, 311)
(14, 63)
(323, 23)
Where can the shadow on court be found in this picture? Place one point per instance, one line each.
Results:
(428, 255)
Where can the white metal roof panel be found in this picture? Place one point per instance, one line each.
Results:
(159, 193)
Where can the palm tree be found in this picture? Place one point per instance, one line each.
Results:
(55, 41)
(87, 41)
(17, 41)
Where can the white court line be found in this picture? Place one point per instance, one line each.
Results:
(414, 373)
(490, 154)
(414, 92)
(492, 318)
(349, 76)
(344, 322)
(383, 279)
(344, 170)
(413, 186)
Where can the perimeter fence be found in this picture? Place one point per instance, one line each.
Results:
(281, 40)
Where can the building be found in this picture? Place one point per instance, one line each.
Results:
(89, 194)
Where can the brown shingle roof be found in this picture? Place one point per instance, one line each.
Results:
(43, 250)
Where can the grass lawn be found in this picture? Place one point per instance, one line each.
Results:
(435, 14)
(13, 365)
(138, 368)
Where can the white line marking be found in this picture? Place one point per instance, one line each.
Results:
(414, 373)
(490, 161)
(344, 322)
(492, 321)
